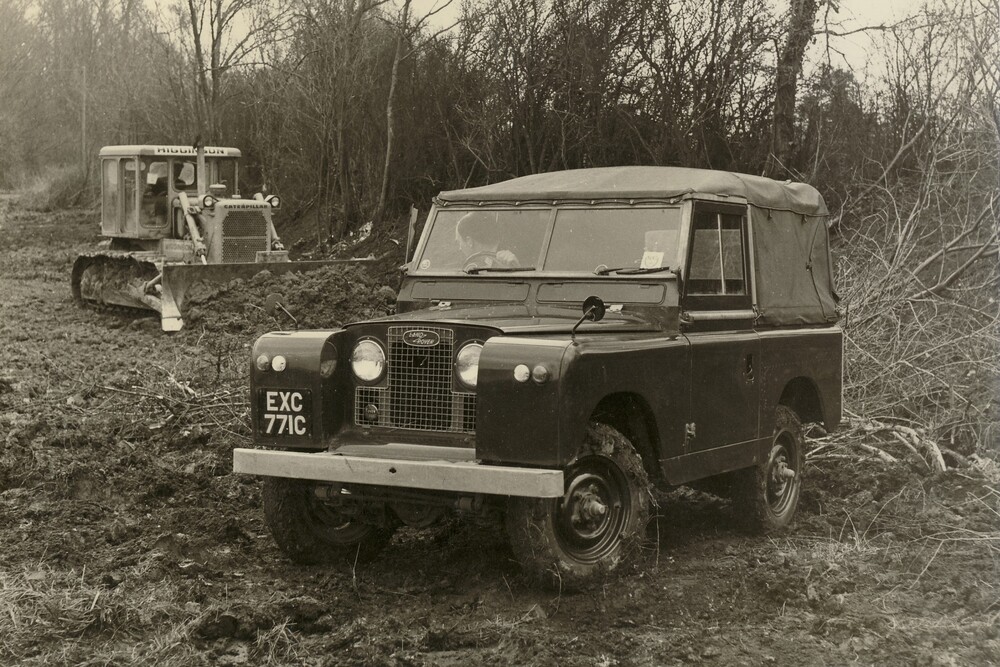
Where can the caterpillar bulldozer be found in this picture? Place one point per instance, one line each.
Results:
(173, 216)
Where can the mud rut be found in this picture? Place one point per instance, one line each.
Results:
(124, 538)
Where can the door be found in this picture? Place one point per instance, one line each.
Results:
(718, 320)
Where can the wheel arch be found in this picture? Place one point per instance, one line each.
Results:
(802, 396)
(630, 414)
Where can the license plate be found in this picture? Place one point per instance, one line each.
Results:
(284, 412)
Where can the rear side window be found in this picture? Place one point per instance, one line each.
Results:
(717, 263)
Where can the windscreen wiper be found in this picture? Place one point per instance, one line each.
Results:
(630, 270)
(497, 269)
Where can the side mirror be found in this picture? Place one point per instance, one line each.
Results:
(593, 311)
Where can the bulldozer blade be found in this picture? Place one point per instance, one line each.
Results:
(177, 279)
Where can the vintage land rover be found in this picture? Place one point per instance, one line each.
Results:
(562, 342)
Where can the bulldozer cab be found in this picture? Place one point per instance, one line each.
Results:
(140, 187)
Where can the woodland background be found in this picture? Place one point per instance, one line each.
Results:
(353, 110)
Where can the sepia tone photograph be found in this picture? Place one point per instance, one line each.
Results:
(586, 333)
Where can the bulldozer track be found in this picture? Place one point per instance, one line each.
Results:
(124, 265)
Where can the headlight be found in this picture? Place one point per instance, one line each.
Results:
(368, 361)
(208, 201)
(467, 364)
(274, 201)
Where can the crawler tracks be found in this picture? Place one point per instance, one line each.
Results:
(114, 282)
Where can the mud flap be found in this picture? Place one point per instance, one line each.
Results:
(178, 278)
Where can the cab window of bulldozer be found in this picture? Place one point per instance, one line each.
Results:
(155, 176)
(154, 200)
(110, 191)
(224, 173)
(130, 180)
(185, 175)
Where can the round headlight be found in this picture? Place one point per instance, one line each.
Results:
(274, 201)
(368, 360)
(467, 364)
(208, 201)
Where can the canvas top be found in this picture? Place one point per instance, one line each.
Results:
(603, 183)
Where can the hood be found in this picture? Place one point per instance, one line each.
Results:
(523, 319)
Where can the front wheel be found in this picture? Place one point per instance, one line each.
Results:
(596, 526)
(312, 531)
(768, 494)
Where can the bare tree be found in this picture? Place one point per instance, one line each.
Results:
(799, 32)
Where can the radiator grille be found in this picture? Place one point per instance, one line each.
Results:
(243, 234)
(419, 395)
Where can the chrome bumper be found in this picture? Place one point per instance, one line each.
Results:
(437, 475)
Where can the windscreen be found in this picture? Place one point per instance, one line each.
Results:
(576, 240)
(608, 238)
(463, 239)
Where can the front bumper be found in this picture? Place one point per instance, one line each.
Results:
(459, 476)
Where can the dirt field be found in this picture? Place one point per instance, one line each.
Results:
(125, 539)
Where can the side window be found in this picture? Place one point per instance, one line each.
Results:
(110, 192)
(717, 258)
(129, 186)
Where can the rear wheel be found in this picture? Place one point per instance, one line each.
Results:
(311, 530)
(768, 494)
(596, 526)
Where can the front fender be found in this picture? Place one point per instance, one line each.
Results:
(304, 353)
(518, 422)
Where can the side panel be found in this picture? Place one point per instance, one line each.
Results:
(724, 389)
(812, 357)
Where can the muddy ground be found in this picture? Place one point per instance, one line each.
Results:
(125, 539)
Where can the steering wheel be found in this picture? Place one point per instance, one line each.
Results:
(473, 260)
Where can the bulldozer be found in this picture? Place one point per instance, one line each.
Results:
(172, 217)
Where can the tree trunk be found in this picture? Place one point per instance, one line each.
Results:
(801, 16)
(390, 132)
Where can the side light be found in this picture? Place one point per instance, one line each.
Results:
(262, 362)
(279, 363)
(368, 360)
(522, 373)
(327, 368)
(467, 364)
(540, 374)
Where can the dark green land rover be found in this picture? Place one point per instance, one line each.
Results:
(562, 343)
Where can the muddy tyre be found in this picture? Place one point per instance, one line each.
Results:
(311, 531)
(596, 527)
(767, 495)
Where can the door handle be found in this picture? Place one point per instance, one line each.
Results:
(748, 368)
